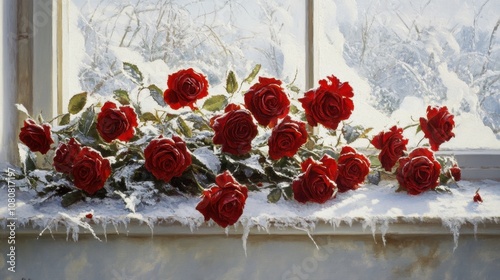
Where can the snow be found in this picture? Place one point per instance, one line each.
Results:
(374, 207)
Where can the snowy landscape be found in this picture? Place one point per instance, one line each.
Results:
(398, 57)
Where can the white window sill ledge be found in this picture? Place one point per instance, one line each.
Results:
(370, 210)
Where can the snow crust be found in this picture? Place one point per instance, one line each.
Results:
(374, 207)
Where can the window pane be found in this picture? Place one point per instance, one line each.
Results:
(164, 36)
(401, 56)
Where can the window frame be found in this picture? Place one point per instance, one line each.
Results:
(49, 24)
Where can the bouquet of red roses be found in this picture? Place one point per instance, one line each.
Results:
(224, 148)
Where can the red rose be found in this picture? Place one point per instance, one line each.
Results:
(66, 155)
(353, 169)
(116, 123)
(224, 201)
(456, 173)
(419, 171)
(184, 88)
(392, 145)
(329, 104)
(167, 158)
(90, 170)
(477, 197)
(438, 126)
(234, 130)
(317, 183)
(267, 101)
(286, 138)
(37, 137)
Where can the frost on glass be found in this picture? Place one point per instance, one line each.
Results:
(401, 56)
(164, 36)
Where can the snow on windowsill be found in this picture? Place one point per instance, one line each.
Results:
(368, 210)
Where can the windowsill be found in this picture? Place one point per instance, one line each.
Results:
(366, 211)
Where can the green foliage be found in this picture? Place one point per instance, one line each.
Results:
(121, 96)
(215, 103)
(231, 83)
(77, 102)
(157, 95)
(133, 72)
(252, 75)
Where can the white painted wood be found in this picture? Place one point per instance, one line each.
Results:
(8, 49)
(44, 59)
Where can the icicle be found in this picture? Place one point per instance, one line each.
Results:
(104, 225)
(244, 237)
(373, 227)
(454, 226)
(384, 228)
(47, 227)
(308, 234)
(74, 223)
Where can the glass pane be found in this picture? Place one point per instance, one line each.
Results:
(401, 56)
(164, 36)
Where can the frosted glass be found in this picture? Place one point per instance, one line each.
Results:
(401, 56)
(163, 36)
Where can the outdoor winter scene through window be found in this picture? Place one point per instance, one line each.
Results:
(398, 56)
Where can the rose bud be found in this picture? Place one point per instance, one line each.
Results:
(116, 122)
(167, 158)
(267, 101)
(317, 182)
(419, 171)
(287, 138)
(456, 173)
(329, 104)
(37, 137)
(185, 87)
(438, 126)
(477, 197)
(353, 169)
(224, 201)
(90, 170)
(392, 144)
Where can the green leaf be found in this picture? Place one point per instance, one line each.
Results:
(184, 128)
(65, 119)
(231, 83)
(77, 102)
(40, 118)
(157, 95)
(351, 133)
(274, 196)
(122, 96)
(365, 132)
(133, 72)
(419, 128)
(294, 88)
(252, 75)
(71, 198)
(148, 117)
(86, 121)
(293, 109)
(215, 103)
(20, 107)
(374, 178)
(29, 163)
(287, 192)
